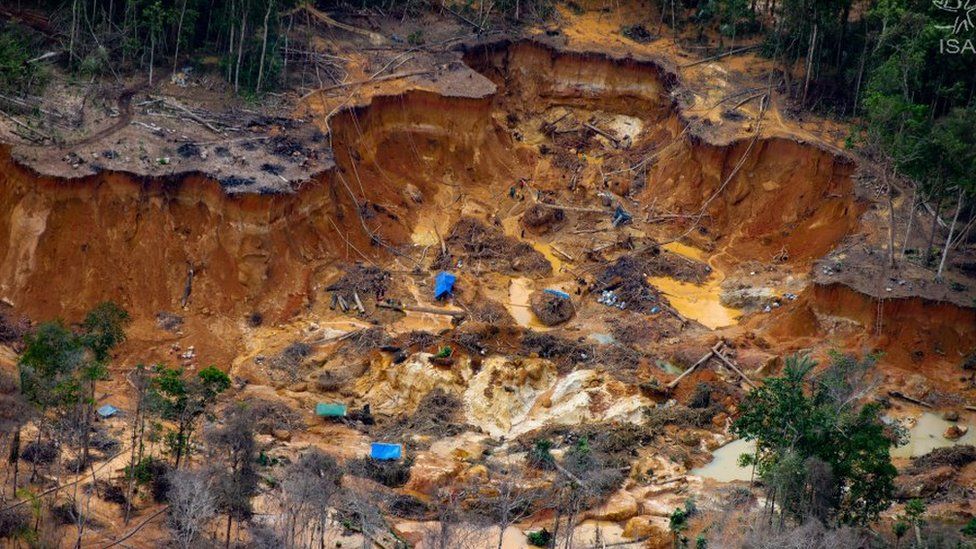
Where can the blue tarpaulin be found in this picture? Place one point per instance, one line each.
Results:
(557, 293)
(382, 450)
(443, 284)
(107, 411)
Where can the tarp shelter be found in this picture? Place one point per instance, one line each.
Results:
(444, 284)
(325, 409)
(382, 450)
(107, 411)
(557, 293)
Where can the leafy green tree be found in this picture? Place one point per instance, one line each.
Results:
(819, 451)
(678, 523)
(17, 75)
(899, 529)
(104, 329)
(51, 358)
(970, 528)
(183, 399)
(915, 516)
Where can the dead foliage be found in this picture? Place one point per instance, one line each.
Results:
(417, 340)
(366, 340)
(564, 352)
(488, 311)
(438, 415)
(108, 491)
(620, 361)
(953, 456)
(598, 453)
(12, 330)
(631, 330)
(170, 322)
(290, 360)
(363, 280)
(392, 473)
(270, 415)
(43, 452)
(638, 33)
(539, 219)
(476, 338)
(627, 279)
(618, 442)
(682, 416)
(488, 249)
(14, 522)
(408, 507)
(64, 514)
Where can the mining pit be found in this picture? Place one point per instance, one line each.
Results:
(521, 168)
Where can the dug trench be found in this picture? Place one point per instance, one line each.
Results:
(68, 243)
(524, 127)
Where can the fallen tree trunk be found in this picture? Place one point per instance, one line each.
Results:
(732, 365)
(393, 76)
(913, 400)
(702, 360)
(420, 309)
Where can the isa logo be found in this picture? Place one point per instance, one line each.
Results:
(960, 41)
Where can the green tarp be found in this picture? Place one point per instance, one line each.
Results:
(324, 409)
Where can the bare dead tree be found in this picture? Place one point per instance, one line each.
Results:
(232, 452)
(456, 527)
(514, 498)
(359, 507)
(14, 412)
(306, 495)
(192, 505)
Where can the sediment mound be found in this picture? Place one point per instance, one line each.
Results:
(551, 308)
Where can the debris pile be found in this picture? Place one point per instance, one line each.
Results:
(552, 307)
(487, 249)
(624, 285)
(355, 287)
(540, 219)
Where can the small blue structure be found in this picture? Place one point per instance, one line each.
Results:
(107, 411)
(557, 293)
(444, 284)
(385, 451)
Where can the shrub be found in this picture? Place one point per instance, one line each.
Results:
(16, 74)
(392, 474)
(14, 523)
(540, 538)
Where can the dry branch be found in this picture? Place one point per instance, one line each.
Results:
(719, 56)
(393, 76)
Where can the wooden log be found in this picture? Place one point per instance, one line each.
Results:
(913, 400)
(393, 76)
(421, 309)
(359, 303)
(702, 360)
(719, 56)
(730, 364)
(562, 253)
(608, 135)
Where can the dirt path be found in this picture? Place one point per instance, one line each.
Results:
(125, 116)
